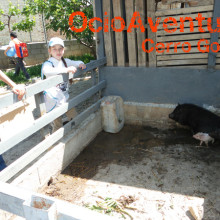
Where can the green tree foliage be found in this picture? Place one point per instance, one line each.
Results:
(26, 24)
(56, 14)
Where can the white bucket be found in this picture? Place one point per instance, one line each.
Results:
(112, 114)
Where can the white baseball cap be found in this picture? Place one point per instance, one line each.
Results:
(55, 40)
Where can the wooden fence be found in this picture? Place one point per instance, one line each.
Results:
(25, 203)
(125, 48)
(37, 90)
(179, 57)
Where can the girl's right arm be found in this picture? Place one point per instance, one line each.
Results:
(49, 70)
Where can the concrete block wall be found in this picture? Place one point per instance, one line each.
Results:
(38, 53)
(36, 35)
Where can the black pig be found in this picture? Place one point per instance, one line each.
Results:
(197, 118)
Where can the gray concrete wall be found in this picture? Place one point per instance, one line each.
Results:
(149, 114)
(163, 85)
(38, 53)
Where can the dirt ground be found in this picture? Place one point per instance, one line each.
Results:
(144, 173)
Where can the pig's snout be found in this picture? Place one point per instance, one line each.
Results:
(171, 115)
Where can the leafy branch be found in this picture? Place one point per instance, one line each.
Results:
(26, 24)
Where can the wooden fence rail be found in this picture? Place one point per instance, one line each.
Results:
(38, 87)
(48, 118)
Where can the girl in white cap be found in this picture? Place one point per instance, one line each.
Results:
(57, 65)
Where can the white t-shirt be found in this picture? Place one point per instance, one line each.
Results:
(58, 67)
(12, 45)
(48, 70)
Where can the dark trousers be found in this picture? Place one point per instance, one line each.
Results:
(2, 163)
(20, 65)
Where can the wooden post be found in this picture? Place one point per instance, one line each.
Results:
(93, 77)
(214, 36)
(132, 46)
(40, 104)
(99, 36)
(119, 36)
(140, 7)
(151, 13)
(108, 36)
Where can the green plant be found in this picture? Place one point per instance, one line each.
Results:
(108, 206)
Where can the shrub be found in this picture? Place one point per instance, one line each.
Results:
(86, 58)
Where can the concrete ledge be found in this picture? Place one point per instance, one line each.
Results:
(148, 114)
(60, 156)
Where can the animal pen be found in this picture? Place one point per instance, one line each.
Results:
(151, 71)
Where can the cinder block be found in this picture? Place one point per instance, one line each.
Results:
(78, 53)
(44, 55)
(35, 51)
(68, 54)
(31, 46)
(5, 62)
(74, 42)
(2, 56)
(148, 113)
(39, 45)
(130, 111)
(43, 51)
(75, 47)
(67, 43)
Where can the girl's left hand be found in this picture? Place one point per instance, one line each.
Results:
(82, 66)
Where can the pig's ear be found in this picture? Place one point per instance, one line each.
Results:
(178, 104)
